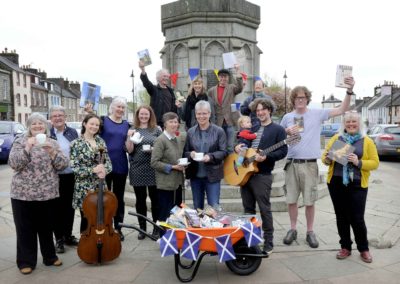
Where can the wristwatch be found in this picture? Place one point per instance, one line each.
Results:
(350, 93)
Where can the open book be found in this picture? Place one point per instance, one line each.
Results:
(339, 152)
(343, 71)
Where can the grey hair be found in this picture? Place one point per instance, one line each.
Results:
(56, 108)
(202, 104)
(116, 101)
(36, 117)
(159, 73)
(351, 115)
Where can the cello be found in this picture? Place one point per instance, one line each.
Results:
(100, 242)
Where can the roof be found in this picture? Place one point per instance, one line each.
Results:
(381, 102)
(36, 86)
(331, 99)
(10, 64)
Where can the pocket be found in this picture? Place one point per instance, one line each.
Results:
(287, 165)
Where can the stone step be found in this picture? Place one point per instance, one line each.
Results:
(278, 204)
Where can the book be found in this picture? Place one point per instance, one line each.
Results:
(339, 152)
(299, 121)
(90, 95)
(343, 71)
(229, 60)
(144, 56)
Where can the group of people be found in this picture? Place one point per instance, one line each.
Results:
(52, 178)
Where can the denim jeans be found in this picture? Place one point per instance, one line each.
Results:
(201, 186)
(230, 137)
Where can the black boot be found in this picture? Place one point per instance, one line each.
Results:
(142, 225)
(156, 233)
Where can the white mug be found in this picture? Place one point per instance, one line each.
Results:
(198, 156)
(136, 138)
(146, 147)
(182, 161)
(41, 138)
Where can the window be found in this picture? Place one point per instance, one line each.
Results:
(26, 117)
(25, 100)
(33, 98)
(19, 118)
(24, 76)
(5, 89)
(18, 81)
(18, 100)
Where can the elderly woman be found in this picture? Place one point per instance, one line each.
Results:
(35, 159)
(348, 184)
(114, 131)
(205, 174)
(85, 162)
(168, 149)
(197, 92)
(141, 174)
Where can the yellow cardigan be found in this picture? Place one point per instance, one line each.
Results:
(369, 159)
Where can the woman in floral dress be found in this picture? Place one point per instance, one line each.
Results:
(84, 162)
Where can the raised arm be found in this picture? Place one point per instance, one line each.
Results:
(346, 102)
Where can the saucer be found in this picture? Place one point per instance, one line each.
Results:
(199, 160)
(187, 164)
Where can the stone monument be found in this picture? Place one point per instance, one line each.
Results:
(198, 32)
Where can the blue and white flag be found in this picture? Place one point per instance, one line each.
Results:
(252, 234)
(193, 72)
(225, 249)
(191, 245)
(168, 244)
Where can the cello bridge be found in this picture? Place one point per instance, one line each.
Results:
(100, 232)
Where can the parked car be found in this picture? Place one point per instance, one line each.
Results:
(9, 130)
(386, 138)
(75, 124)
(330, 129)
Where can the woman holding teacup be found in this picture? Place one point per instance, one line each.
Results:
(141, 174)
(168, 149)
(35, 159)
(206, 148)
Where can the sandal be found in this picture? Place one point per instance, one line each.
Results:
(26, 270)
(57, 262)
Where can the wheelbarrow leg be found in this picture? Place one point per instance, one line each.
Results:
(196, 267)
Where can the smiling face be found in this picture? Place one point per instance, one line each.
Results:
(203, 117)
(37, 127)
(300, 101)
(57, 119)
(352, 124)
(223, 80)
(119, 110)
(197, 87)
(92, 126)
(258, 86)
(164, 79)
(144, 116)
(171, 126)
(263, 114)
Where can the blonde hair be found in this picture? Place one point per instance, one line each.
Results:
(242, 119)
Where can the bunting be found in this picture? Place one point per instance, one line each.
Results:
(190, 248)
(257, 78)
(193, 72)
(244, 76)
(168, 244)
(216, 73)
(224, 247)
(252, 234)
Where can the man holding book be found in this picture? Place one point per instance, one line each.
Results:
(301, 167)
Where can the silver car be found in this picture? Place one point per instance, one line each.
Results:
(386, 138)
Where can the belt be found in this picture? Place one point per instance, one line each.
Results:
(302, 161)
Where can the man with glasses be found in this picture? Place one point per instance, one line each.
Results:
(64, 216)
(258, 187)
(301, 166)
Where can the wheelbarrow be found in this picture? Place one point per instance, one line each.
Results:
(248, 259)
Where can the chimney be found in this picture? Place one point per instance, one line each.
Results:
(75, 86)
(12, 56)
(66, 84)
(42, 74)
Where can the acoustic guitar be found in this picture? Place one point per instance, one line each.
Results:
(239, 175)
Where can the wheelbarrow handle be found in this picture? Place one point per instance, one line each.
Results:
(147, 219)
(137, 229)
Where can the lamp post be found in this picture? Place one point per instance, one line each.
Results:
(133, 94)
(285, 77)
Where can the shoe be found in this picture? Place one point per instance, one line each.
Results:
(366, 256)
(290, 237)
(141, 236)
(156, 233)
(311, 239)
(60, 246)
(26, 270)
(58, 262)
(71, 241)
(121, 235)
(343, 253)
(267, 249)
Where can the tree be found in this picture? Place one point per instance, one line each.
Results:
(277, 91)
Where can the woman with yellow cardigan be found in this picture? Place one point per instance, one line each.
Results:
(348, 184)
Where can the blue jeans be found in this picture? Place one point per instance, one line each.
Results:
(230, 137)
(201, 186)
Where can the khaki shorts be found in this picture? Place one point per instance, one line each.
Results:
(301, 178)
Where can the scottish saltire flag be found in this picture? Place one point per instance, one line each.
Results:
(224, 247)
(168, 244)
(252, 234)
(190, 247)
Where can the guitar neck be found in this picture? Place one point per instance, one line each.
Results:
(273, 148)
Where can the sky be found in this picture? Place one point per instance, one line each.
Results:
(98, 41)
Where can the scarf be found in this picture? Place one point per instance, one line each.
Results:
(348, 170)
(189, 108)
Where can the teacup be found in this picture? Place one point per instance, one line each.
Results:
(198, 156)
(41, 138)
(182, 161)
(146, 147)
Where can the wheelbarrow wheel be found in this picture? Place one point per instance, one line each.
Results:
(245, 265)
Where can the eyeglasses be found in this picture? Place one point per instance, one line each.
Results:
(301, 98)
(57, 116)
